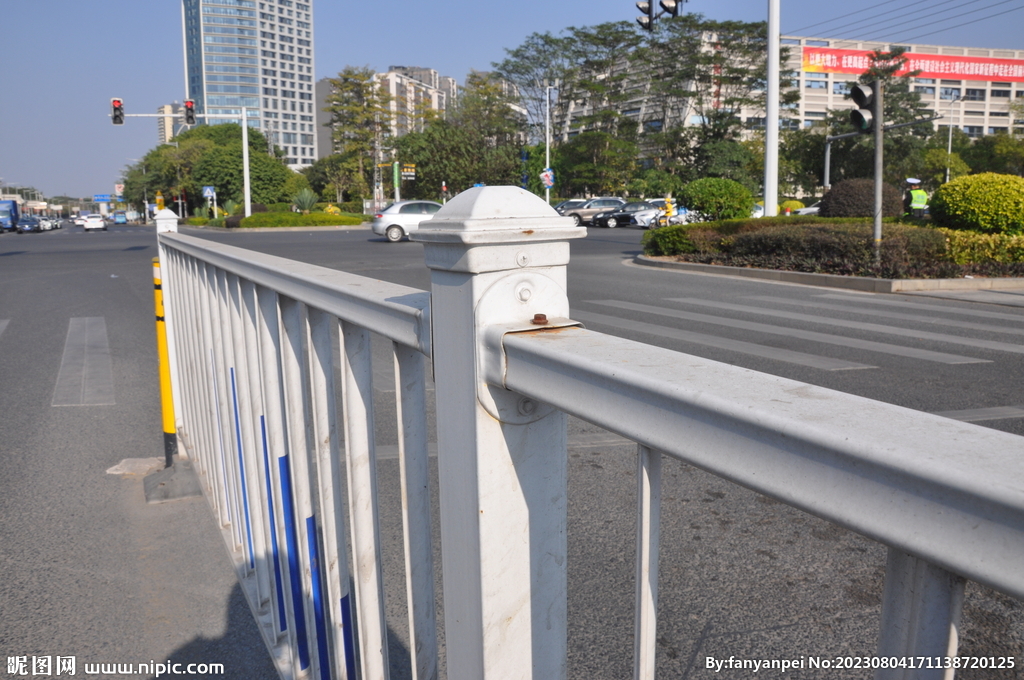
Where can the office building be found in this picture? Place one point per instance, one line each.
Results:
(256, 55)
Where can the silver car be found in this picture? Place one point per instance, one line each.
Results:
(399, 219)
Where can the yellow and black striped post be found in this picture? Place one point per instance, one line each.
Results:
(166, 398)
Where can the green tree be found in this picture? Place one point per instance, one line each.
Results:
(596, 163)
(361, 117)
(337, 178)
(543, 59)
(222, 167)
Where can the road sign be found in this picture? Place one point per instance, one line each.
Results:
(409, 171)
(118, 189)
(101, 198)
(547, 178)
(209, 192)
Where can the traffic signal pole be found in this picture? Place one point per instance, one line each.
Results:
(117, 115)
(879, 167)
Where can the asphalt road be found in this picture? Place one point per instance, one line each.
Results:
(741, 575)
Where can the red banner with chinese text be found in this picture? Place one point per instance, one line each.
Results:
(828, 60)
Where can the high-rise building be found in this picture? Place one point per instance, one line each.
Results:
(256, 55)
(167, 126)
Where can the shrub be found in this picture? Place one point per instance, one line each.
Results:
(216, 222)
(717, 198)
(197, 221)
(305, 199)
(971, 247)
(790, 205)
(856, 198)
(989, 203)
(290, 219)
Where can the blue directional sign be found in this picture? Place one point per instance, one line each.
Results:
(101, 198)
(209, 192)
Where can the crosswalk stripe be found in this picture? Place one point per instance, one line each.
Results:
(3, 325)
(869, 345)
(905, 304)
(86, 376)
(975, 415)
(860, 326)
(776, 353)
(938, 320)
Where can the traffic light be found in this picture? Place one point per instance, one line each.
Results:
(117, 111)
(190, 112)
(671, 7)
(647, 21)
(862, 117)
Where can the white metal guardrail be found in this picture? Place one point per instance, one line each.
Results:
(254, 377)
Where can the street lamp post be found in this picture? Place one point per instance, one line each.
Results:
(547, 134)
(949, 144)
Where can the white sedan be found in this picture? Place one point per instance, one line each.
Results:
(94, 222)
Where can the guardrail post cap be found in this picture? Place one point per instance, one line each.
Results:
(166, 220)
(494, 229)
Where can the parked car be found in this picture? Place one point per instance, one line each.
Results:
(29, 223)
(638, 212)
(399, 219)
(560, 208)
(809, 210)
(95, 222)
(583, 214)
(758, 211)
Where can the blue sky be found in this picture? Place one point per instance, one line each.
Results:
(64, 59)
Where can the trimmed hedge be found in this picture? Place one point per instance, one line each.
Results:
(845, 248)
(676, 240)
(856, 198)
(197, 221)
(717, 198)
(987, 202)
(291, 219)
(967, 247)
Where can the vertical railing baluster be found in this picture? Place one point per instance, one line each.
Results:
(648, 526)
(252, 409)
(276, 450)
(295, 365)
(218, 475)
(224, 357)
(329, 477)
(921, 606)
(192, 342)
(357, 398)
(411, 395)
(243, 425)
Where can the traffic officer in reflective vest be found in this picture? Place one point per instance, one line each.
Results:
(916, 200)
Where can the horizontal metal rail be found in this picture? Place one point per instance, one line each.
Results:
(950, 493)
(397, 312)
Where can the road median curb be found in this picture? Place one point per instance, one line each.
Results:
(860, 283)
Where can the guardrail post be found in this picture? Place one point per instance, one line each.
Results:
(921, 605)
(497, 257)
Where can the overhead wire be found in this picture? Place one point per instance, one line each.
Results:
(955, 16)
(966, 23)
(903, 24)
(850, 14)
(898, 21)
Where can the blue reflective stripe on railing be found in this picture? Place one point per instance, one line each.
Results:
(349, 635)
(294, 570)
(241, 472)
(318, 601)
(282, 614)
